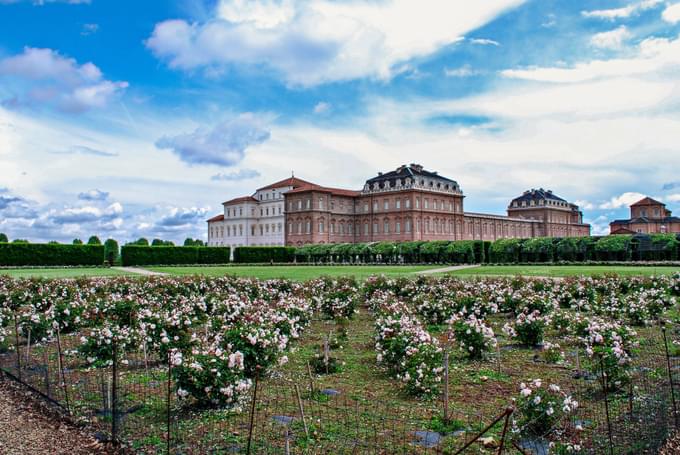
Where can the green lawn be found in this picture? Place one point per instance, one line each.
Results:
(299, 273)
(61, 273)
(564, 270)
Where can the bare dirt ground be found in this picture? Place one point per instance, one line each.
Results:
(672, 446)
(29, 425)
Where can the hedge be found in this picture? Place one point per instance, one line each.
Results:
(259, 254)
(172, 255)
(39, 254)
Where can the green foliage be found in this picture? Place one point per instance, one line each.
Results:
(159, 242)
(94, 240)
(461, 252)
(263, 254)
(3, 238)
(434, 251)
(140, 242)
(171, 255)
(193, 242)
(77, 242)
(505, 250)
(20, 241)
(111, 250)
(613, 248)
(539, 249)
(24, 253)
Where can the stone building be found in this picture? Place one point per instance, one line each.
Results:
(256, 220)
(411, 203)
(647, 216)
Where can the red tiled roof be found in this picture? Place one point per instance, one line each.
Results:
(216, 218)
(290, 181)
(240, 199)
(323, 189)
(647, 201)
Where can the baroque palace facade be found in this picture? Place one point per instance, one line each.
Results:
(409, 203)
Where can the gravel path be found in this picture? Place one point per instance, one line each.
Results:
(28, 425)
(138, 271)
(453, 268)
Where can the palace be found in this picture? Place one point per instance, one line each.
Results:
(647, 216)
(409, 203)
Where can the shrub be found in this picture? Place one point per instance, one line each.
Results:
(505, 250)
(608, 345)
(20, 254)
(94, 240)
(3, 238)
(474, 337)
(171, 255)
(541, 408)
(538, 249)
(111, 251)
(528, 328)
(262, 254)
(613, 248)
(462, 251)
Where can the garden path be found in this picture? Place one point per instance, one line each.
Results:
(452, 268)
(138, 271)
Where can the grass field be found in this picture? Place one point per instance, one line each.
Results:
(61, 273)
(299, 273)
(565, 270)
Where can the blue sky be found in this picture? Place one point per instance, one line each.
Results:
(127, 119)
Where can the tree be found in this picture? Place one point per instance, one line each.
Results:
(20, 241)
(111, 251)
(159, 242)
(53, 242)
(94, 240)
(3, 238)
(141, 242)
(193, 242)
(77, 242)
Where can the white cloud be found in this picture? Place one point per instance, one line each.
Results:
(584, 205)
(318, 41)
(653, 55)
(463, 71)
(89, 29)
(241, 174)
(673, 197)
(612, 39)
(623, 12)
(485, 42)
(225, 144)
(322, 107)
(623, 200)
(672, 13)
(49, 77)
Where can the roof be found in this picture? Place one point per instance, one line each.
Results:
(290, 181)
(323, 189)
(645, 220)
(621, 230)
(538, 195)
(647, 201)
(216, 218)
(408, 171)
(240, 199)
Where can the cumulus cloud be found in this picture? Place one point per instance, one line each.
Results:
(673, 197)
(181, 217)
(623, 12)
(224, 145)
(612, 39)
(322, 107)
(310, 43)
(623, 200)
(652, 55)
(672, 13)
(47, 77)
(93, 195)
(6, 201)
(241, 174)
(584, 205)
(86, 214)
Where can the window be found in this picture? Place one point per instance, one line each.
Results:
(386, 227)
(407, 226)
(252, 230)
(240, 211)
(299, 204)
(398, 203)
(386, 204)
(375, 227)
(365, 228)
(427, 203)
(408, 203)
(240, 229)
(320, 227)
(366, 207)
(308, 204)
(308, 227)
(290, 228)
(320, 203)
(397, 227)
(417, 203)
(375, 206)
(299, 227)
(261, 230)
(333, 228)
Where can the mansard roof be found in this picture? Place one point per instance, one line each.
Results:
(290, 181)
(412, 171)
(323, 189)
(539, 195)
(645, 220)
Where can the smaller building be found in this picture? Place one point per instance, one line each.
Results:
(647, 216)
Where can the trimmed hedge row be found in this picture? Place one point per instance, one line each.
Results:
(621, 248)
(171, 255)
(260, 254)
(40, 254)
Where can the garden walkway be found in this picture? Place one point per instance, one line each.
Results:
(452, 268)
(138, 271)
